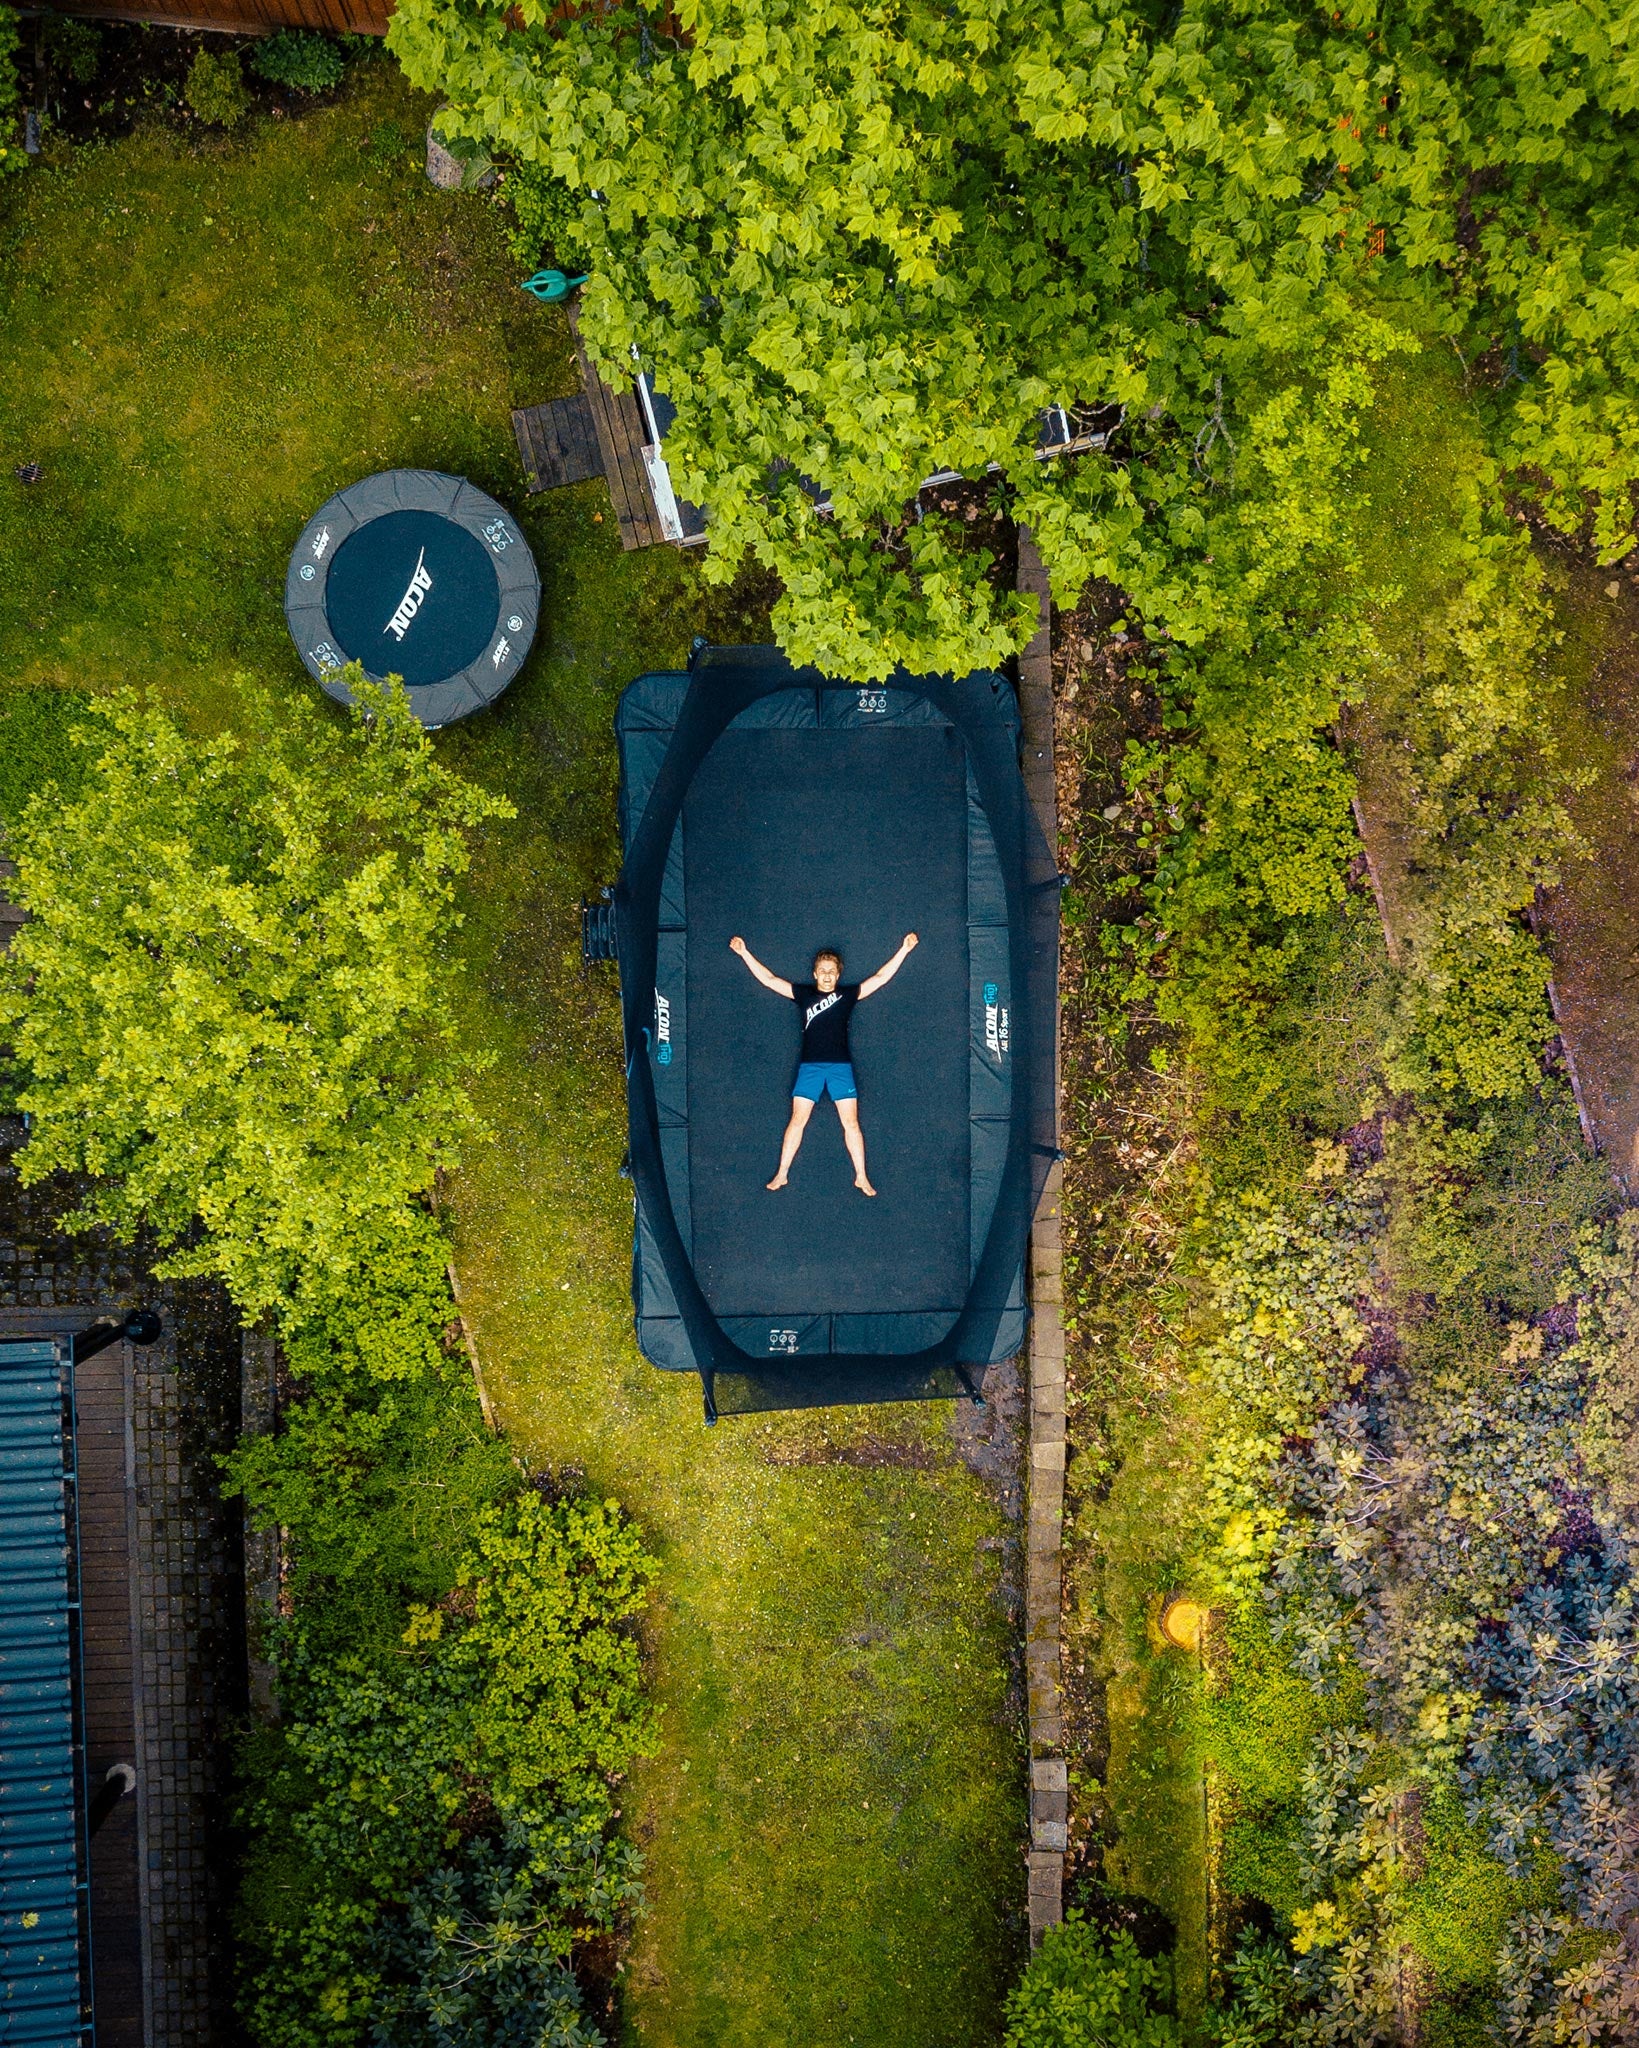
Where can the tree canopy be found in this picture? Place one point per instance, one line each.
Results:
(229, 998)
(861, 242)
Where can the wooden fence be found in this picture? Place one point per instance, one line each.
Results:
(243, 17)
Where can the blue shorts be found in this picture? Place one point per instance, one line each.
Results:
(815, 1076)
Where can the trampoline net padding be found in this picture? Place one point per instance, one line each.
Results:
(767, 801)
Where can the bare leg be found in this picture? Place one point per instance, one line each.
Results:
(854, 1138)
(801, 1111)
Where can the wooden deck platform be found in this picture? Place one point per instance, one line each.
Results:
(558, 442)
(618, 420)
(600, 432)
(110, 1719)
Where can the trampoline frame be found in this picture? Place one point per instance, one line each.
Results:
(518, 586)
(723, 683)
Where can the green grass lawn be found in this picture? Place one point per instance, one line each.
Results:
(199, 346)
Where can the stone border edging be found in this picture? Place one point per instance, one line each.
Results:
(1049, 1769)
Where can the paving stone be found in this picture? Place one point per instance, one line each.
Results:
(1045, 1522)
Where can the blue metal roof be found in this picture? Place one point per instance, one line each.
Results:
(41, 1896)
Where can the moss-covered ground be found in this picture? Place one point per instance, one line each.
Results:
(198, 343)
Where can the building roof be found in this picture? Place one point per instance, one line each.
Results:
(41, 1888)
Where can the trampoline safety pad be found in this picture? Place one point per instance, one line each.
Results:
(768, 802)
(417, 574)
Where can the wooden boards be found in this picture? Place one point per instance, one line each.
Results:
(617, 419)
(245, 17)
(107, 1687)
(558, 443)
(613, 434)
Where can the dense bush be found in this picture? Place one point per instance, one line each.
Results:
(1262, 2011)
(1246, 826)
(477, 1957)
(545, 218)
(561, 1707)
(414, 1801)
(74, 47)
(377, 1490)
(1611, 1426)
(1286, 1289)
(299, 58)
(13, 156)
(460, 1694)
(215, 89)
(1088, 1989)
(1434, 1557)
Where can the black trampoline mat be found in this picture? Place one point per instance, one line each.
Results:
(444, 627)
(798, 840)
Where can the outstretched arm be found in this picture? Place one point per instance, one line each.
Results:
(768, 980)
(889, 968)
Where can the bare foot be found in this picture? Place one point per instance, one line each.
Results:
(863, 1185)
(776, 1183)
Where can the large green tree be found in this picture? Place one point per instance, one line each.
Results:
(231, 997)
(862, 241)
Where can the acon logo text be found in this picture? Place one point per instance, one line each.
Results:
(411, 602)
(996, 1024)
(662, 1029)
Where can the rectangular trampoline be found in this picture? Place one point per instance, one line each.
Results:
(768, 802)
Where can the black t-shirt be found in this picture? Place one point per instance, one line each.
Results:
(825, 1020)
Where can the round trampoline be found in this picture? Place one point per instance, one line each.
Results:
(420, 575)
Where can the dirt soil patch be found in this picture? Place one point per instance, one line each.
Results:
(1591, 921)
(1122, 1159)
(93, 81)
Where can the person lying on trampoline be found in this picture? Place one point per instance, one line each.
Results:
(826, 1004)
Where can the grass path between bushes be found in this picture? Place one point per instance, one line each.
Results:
(199, 344)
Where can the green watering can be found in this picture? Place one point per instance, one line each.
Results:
(551, 285)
